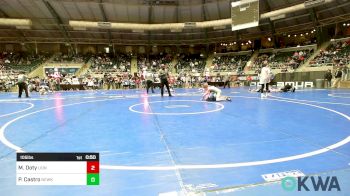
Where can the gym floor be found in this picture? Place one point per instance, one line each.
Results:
(177, 145)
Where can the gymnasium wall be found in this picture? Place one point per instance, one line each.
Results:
(300, 76)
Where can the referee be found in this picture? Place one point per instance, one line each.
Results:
(163, 75)
(149, 81)
(22, 85)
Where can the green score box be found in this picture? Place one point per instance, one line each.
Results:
(93, 179)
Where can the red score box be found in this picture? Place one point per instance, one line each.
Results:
(93, 167)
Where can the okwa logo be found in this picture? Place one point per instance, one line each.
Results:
(318, 183)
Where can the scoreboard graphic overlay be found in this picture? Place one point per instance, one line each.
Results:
(57, 169)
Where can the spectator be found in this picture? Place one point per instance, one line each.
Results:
(328, 79)
(337, 77)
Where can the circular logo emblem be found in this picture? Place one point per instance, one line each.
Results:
(289, 183)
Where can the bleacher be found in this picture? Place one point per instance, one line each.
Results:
(112, 64)
(284, 60)
(338, 52)
(194, 63)
(22, 61)
(154, 61)
(229, 63)
(188, 66)
(75, 58)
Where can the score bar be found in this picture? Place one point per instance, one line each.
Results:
(57, 169)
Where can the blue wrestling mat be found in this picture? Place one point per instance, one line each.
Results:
(179, 145)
